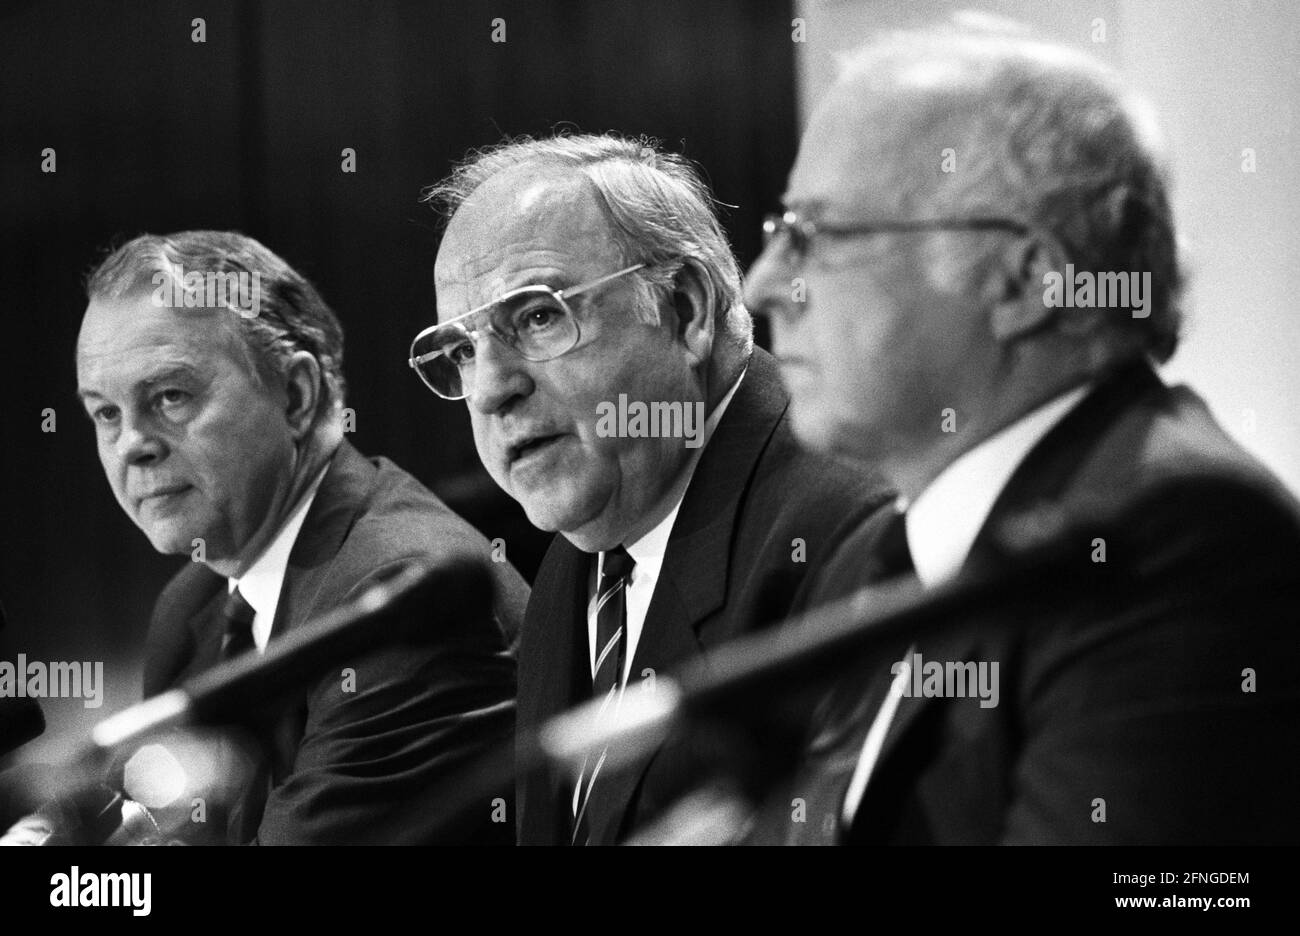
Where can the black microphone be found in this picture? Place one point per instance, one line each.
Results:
(736, 682)
(85, 814)
(415, 599)
(79, 809)
(94, 815)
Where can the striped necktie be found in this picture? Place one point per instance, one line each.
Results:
(607, 674)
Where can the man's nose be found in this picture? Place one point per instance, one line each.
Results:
(499, 377)
(138, 442)
(770, 289)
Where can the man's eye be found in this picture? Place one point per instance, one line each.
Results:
(104, 414)
(460, 354)
(173, 397)
(537, 318)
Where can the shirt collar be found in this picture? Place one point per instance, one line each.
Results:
(945, 518)
(261, 584)
(650, 548)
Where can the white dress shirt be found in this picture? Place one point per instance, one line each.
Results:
(945, 518)
(648, 553)
(942, 524)
(261, 584)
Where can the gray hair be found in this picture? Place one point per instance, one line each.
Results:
(1048, 136)
(661, 210)
(290, 315)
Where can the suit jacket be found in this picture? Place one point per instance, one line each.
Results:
(1156, 702)
(733, 564)
(359, 766)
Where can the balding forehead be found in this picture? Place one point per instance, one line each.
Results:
(524, 187)
(523, 193)
(519, 202)
(527, 223)
(851, 150)
(881, 137)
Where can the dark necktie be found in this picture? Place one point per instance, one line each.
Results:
(892, 555)
(841, 728)
(237, 623)
(245, 809)
(607, 674)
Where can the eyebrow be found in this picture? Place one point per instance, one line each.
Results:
(548, 280)
(166, 373)
(812, 206)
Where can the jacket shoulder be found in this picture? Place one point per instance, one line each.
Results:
(399, 522)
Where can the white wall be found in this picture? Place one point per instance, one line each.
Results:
(1223, 75)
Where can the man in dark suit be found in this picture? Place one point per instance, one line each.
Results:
(1153, 697)
(585, 293)
(219, 419)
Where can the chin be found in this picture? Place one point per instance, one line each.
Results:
(554, 515)
(562, 511)
(174, 535)
(545, 520)
(170, 542)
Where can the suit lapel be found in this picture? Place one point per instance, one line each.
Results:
(683, 597)
(692, 583)
(1044, 484)
(205, 627)
(1054, 476)
(339, 499)
(553, 677)
(556, 657)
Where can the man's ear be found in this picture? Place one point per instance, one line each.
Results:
(1017, 285)
(694, 300)
(303, 391)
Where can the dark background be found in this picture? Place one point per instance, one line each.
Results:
(154, 132)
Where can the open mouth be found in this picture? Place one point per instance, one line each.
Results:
(529, 447)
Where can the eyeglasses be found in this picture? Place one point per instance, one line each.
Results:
(535, 321)
(798, 233)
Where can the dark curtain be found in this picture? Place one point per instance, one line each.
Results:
(152, 131)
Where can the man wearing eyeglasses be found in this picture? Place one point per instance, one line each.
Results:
(575, 271)
(219, 421)
(1153, 696)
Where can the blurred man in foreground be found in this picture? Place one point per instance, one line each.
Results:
(212, 372)
(589, 313)
(988, 253)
